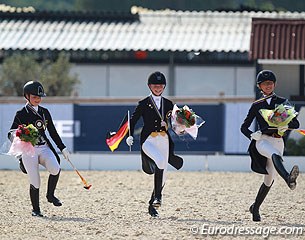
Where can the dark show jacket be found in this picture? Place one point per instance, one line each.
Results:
(41, 121)
(152, 123)
(258, 162)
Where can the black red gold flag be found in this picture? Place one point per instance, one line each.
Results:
(113, 139)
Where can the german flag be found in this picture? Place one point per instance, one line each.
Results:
(113, 139)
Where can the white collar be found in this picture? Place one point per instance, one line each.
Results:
(269, 97)
(157, 100)
(34, 107)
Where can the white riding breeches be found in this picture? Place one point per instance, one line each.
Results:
(267, 146)
(44, 156)
(157, 148)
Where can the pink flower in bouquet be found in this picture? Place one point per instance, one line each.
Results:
(280, 116)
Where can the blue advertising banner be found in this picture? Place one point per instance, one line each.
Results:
(96, 120)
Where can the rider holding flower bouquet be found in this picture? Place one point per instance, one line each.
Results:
(157, 147)
(274, 117)
(30, 142)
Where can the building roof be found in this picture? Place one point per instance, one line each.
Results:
(277, 39)
(146, 30)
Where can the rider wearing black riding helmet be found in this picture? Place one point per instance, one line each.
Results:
(157, 147)
(45, 154)
(267, 145)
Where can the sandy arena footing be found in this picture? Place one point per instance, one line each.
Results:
(195, 205)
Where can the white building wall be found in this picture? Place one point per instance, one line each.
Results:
(204, 81)
(214, 81)
(93, 81)
(245, 81)
(131, 80)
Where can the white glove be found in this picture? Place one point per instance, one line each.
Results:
(283, 128)
(129, 140)
(66, 153)
(256, 135)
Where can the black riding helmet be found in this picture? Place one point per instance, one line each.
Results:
(34, 88)
(156, 78)
(265, 75)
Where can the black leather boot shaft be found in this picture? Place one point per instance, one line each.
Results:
(261, 195)
(34, 195)
(158, 183)
(278, 164)
(52, 183)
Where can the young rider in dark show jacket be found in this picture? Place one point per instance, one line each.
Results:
(45, 154)
(157, 147)
(267, 145)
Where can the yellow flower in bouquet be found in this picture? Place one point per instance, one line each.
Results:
(280, 116)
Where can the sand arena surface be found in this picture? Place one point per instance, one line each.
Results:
(116, 206)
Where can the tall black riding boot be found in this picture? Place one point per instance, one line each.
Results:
(52, 182)
(261, 195)
(34, 195)
(291, 178)
(158, 179)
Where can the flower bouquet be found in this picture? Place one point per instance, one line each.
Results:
(280, 116)
(185, 121)
(24, 140)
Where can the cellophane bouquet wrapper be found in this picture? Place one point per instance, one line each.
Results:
(280, 116)
(185, 121)
(24, 140)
